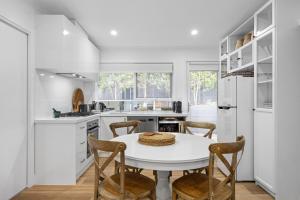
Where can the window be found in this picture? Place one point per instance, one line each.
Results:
(153, 85)
(116, 86)
(128, 86)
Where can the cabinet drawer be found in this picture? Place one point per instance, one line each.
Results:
(80, 161)
(81, 146)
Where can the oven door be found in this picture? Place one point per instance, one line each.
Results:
(94, 132)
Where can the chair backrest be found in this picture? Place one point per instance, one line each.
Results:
(220, 150)
(114, 148)
(133, 123)
(203, 125)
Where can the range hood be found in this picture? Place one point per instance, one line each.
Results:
(71, 75)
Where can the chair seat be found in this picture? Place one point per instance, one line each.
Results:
(195, 186)
(137, 184)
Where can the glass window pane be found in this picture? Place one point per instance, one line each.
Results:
(203, 96)
(153, 85)
(116, 86)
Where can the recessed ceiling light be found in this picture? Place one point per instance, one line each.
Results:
(51, 76)
(113, 32)
(80, 76)
(194, 32)
(42, 74)
(74, 75)
(66, 32)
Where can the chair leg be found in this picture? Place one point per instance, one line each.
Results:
(155, 176)
(174, 195)
(153, 195)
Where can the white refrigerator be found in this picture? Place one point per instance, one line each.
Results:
(235, 117)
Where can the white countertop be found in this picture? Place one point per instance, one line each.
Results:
(65, 120)
(74, 120)
(143, 113)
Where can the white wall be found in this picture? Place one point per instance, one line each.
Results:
(287, 99)
(178, 56)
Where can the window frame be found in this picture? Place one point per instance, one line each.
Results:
(135, 88)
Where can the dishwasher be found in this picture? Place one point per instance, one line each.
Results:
(148, 124)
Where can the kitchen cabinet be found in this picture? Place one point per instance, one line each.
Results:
(264, 68)
(264, 131)
(105, 132)
(264, 19)
(264, 150)
(61, 150)
(63, 47)
(257, 58)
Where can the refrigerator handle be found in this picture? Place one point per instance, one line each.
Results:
(226, 107)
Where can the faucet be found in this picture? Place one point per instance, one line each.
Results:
(121, 106)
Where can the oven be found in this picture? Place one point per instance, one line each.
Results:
(170, 124)
(92, 129)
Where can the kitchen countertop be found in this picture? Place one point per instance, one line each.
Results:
(74, 120)
(142, 113)
(65, 120)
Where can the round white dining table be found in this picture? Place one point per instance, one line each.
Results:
(188, 152)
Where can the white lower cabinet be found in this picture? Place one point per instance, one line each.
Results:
(105, 132)
(264, 150)
(61, 152)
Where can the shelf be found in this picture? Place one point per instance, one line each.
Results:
(249, 66)
(265, 81)
(242, 47)
(266, 60)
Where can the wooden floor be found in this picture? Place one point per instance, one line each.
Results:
(83, 190)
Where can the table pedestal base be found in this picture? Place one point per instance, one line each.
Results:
(163, 191)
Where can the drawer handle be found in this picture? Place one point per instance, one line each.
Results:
(82, 142)
(82, 127)
(82, 160)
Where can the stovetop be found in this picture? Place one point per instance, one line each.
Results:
(76, 114)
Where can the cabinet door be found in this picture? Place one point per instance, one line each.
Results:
(105, 132)
(264, 19)
(264, 68)
(264, 149)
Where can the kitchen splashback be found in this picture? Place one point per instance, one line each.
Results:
(53, 91)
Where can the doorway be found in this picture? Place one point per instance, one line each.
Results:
(203, 91)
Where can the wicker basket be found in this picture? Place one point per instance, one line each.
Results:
(248, 38)
(156, 139)
(239, 43)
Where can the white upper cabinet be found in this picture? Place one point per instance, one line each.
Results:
(63, 47)
(264, 19)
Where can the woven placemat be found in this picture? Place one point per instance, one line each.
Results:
(156, 139)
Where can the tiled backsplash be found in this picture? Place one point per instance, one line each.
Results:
(54, 91)
(139, 105)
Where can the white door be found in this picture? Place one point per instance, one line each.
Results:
(13, 101)
(203, 95)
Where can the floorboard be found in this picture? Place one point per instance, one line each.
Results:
(83, 190)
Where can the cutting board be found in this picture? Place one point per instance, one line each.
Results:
(78, 99)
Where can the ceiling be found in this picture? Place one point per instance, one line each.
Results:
(154, 23)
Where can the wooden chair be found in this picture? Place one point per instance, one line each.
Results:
(121, 186)
(134, 124)
(206, 187)
(203, 125)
